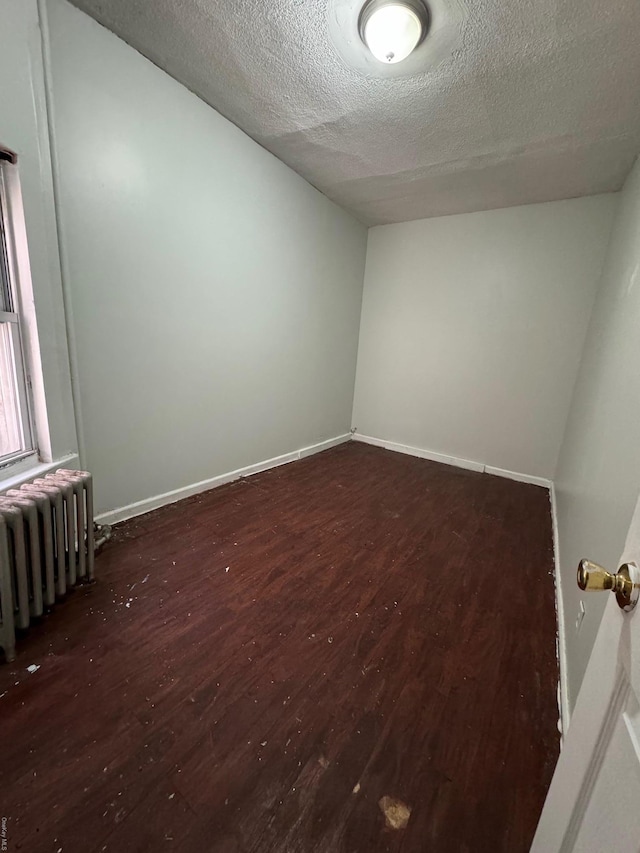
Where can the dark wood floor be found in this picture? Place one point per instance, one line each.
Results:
(258, 666)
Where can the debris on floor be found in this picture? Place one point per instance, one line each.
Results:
(396, 813)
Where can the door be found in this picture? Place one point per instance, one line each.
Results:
(593, 804)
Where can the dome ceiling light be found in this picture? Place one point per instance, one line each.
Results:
(392, 29)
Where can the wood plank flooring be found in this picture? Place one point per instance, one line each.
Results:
(258, 666)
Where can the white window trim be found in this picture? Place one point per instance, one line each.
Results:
(32, 405)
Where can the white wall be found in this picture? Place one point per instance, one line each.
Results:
(598, 476)
(215, 294)
(472, 328)
(23, 128)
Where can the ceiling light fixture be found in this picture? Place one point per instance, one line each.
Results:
(392, 29)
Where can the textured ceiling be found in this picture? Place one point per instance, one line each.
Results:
(509, 102)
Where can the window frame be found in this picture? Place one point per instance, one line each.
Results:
(11, 316)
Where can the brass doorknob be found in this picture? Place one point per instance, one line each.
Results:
(625, 583)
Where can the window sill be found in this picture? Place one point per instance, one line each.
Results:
(28, 468)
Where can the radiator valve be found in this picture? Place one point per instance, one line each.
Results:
(102, 534)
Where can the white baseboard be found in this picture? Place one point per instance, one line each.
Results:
(519, 477)
(123, 513)
(469, 464)
(417, 451)
(563, 689)
(324, 445)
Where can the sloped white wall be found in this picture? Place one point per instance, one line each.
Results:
(472, 329)
(215, 294)
(598, 476)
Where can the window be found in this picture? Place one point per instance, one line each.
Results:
(16, 432)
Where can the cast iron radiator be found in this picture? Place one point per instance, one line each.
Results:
(46, 547)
